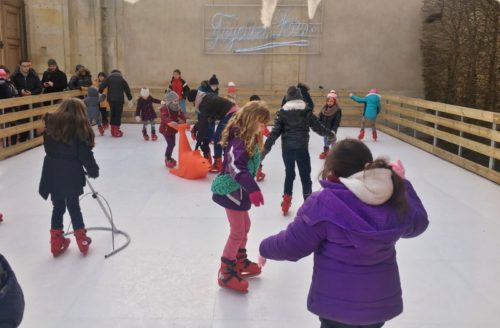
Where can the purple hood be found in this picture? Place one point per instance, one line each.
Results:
(355, 277)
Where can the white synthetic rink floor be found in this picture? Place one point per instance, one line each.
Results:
(167, 276)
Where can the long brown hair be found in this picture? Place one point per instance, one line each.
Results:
(69, 122)
(247, 120)
(350, 156)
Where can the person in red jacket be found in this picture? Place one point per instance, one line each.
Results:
(180, 87)
(170, 113)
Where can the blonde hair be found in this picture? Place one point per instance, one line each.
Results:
(247, 120)
(69, 122)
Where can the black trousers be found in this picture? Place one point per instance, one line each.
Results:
(60, 205)
(325, 323)
(303, 160)
(104, 115)
(116, 112)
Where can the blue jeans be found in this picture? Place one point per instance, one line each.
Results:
(301, 156)
(218, 134)
(182, 103)
(73, 205)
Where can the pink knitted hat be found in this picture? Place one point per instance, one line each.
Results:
(374, 90)
(332, 94)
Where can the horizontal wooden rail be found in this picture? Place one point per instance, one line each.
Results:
(22, 115)
(478, 114)
(465, 131)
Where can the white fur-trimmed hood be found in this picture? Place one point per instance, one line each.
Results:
(296, 104)
(373, 186)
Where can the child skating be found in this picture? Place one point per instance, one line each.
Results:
(146, 114)
(371, 110)
(292, 123)
(352, 227)
(330, 116)
(236, 190)
(171, 113)
(92, 101)
(68, 156)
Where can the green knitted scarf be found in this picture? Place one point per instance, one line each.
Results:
(224, 184)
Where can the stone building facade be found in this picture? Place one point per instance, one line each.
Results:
(350, 44)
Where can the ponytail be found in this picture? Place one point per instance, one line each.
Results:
(398, 199)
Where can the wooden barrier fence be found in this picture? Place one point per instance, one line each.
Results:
(464, 136)
(16, 120)
(450, 132)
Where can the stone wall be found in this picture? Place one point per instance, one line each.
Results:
(364, 43)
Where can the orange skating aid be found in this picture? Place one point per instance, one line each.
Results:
(191, 164)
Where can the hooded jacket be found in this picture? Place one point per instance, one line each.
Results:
(292, 123)
(116, 85)
(371, 105)
(355, 277)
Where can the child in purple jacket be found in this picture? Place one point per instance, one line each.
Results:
(236, 190)
(352, 226)
(146, 114)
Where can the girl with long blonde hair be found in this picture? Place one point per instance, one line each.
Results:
(236, 190)
(68, 143)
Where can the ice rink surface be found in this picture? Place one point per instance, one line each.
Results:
(167, 276)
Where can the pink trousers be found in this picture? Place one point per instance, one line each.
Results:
(239, 223)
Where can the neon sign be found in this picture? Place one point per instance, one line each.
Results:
(243, 33)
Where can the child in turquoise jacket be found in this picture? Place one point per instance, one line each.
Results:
(370, 111)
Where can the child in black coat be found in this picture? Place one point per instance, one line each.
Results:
(68, 143)
(292, 124)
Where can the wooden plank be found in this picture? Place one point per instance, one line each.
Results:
(473, 145)
(455, 159)
(20, 147)
(482, 115)
(457, 125)
(13, 130)
(28, 113)
(19, 101)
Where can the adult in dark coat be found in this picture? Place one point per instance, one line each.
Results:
(53, 79)
(26, 80)
(211, 108)
(81, 79)
(11, 296)
(117, 86)
(27, 83)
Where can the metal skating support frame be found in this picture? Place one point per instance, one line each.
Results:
(109, 216)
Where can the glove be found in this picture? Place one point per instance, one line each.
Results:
(265, 132)
(130, 104)
(94, 175)
(256, 198)
(137, 119)
(398, 168)
(263, 154)
(162, 102)
(261, 261)
(350, 94)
